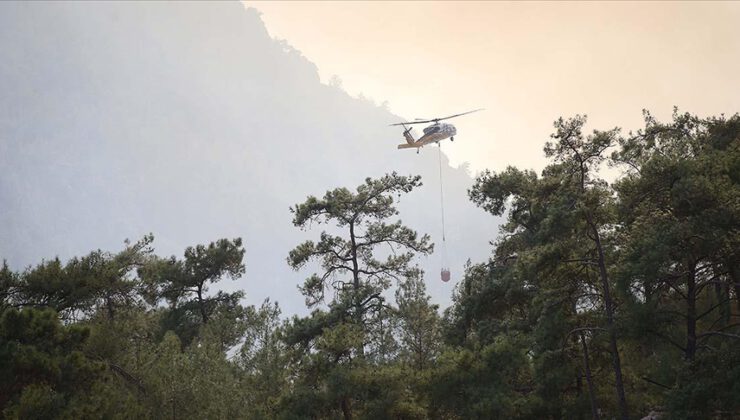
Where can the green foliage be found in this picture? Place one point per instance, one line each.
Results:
(490, 381)
(362, 214)
(8, 285)
(556, 254)
(419, 329)
(709, 384)
(335, 347)
(680, 207)
(592, 287)
(350, 264)
(184, 285)
(41, 363)
(263, 361)
(83, 285)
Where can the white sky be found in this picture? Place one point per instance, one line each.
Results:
(526, 63)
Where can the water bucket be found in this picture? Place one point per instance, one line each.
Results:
(445, 274)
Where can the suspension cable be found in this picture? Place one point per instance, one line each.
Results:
(441, 194)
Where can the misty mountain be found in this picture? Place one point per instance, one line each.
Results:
(189, 121)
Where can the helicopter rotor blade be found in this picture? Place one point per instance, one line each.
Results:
(435, 120)
(413, 122)
(457, 115)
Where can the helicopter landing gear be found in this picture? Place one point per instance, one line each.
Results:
(452, 139)
(417, 150)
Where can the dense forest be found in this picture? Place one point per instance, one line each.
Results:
(604, 297)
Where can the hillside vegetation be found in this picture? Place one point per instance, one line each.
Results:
(600, 300)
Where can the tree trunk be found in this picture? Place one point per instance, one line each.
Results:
(174, 408)
(691, 312)
(579, 391)
(609, 308)
(608, 303)
(734, 272)
(356, 286)
(109, 307)
(346, 409)
(589, 379)
(201, 305)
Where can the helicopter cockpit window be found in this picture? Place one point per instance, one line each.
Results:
(431, 129)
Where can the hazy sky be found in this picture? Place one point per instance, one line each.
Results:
(526, 63)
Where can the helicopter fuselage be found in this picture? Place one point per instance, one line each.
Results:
(432, 134)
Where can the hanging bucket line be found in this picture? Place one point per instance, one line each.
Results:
(441, 194)
(445, 271)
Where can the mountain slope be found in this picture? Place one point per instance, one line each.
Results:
(187, 120)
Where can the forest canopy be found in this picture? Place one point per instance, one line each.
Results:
(604, 297)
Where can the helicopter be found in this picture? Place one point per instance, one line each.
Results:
(432, 134)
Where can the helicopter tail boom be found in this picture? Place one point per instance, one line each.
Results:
(407, 146)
